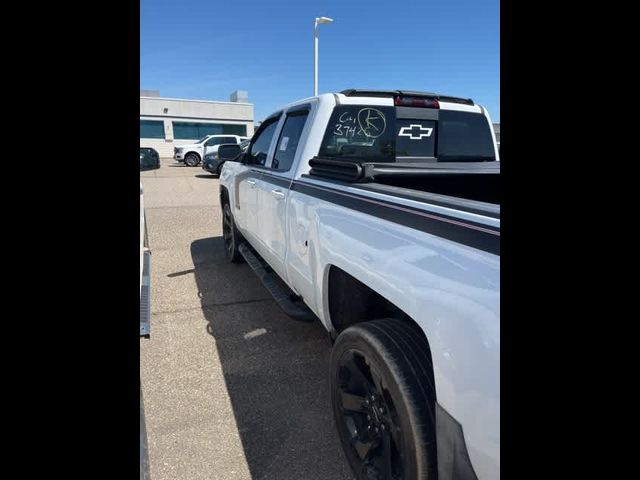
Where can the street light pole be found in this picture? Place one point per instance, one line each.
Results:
(317, 22)
(315, 58)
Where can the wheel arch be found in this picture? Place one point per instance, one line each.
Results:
(224, 195)
(349, 301)
(194, 152)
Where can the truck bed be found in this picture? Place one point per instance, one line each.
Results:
(474, 181)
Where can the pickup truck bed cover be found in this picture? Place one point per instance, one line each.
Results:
(363, 171)
(458, 182)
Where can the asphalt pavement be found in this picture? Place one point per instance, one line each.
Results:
(233, 388)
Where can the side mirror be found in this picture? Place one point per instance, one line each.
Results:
(229, 152)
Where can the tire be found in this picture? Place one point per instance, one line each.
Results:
(231, 236)
(383, 401)
(192, 160)
(219, 169)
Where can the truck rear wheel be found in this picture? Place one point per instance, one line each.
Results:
(383, 401)
(192, 160)
(230, 235)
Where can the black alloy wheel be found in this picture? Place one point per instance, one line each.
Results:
(383, 411)
(230, 235)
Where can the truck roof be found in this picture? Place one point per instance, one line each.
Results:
(354, 92)
(368, 95)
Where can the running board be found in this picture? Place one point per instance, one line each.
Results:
(296, 310)
(145, 295)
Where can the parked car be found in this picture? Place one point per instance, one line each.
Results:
(378, 214)
(212, 162)
(149, 159)
(192, 154)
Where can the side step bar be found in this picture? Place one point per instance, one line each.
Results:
(145, 295)
(296, 310)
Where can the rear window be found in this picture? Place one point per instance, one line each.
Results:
(380, 134)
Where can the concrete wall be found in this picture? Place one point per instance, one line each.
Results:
(201, 111)
(196, 109)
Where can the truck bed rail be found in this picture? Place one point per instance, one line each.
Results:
(479, 181)
(362, 171)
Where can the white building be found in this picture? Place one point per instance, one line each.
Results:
(169, 122)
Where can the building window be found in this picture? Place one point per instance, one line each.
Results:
(194, 131)
(151, 129)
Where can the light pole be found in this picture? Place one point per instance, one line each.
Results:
(318, 21)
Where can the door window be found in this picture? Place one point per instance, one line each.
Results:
(259, 149)
(289, 140)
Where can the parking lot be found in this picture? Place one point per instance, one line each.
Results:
(233, 388)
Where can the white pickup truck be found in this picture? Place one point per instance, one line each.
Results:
(193, 153)
(378, 213)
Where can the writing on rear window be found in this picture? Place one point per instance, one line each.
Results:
(375, 134)
(367, 122)
(358, 131)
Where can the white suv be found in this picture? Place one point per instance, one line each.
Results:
(193, 153)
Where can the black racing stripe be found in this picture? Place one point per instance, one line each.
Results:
(259, 174)
(238, 178)
(275, 179)
(422, 197)
(440, 203)
(482, 237)
(419, 211)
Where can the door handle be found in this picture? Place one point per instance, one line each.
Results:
(252, 183)
(278, 194)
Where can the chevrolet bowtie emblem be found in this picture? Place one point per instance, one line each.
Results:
(415, 132)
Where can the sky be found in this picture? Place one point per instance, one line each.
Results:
(206, 49)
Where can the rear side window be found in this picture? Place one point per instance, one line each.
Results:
(358, 131)
(289, 140)
(464, 136)
(259, 149)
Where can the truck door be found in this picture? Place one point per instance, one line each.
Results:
(248, 181)
(274, 187)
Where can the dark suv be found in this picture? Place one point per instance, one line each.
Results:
(149, 159)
